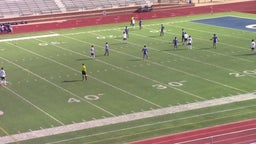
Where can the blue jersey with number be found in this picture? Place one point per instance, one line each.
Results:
(215, 39)
(145, 50)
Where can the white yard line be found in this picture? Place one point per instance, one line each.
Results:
(125, 118)
(119, 119)
(99, 80)
(120, 68)
(187, 73)
(28, 38)
(67, 91)
(38, 108)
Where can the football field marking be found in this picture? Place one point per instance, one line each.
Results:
(99, 80)
(29, 37)
(181, 71)
(134, 73)
(126, 118)
(35, 106)
(67, 91)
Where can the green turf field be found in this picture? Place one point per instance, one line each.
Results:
(45, 87)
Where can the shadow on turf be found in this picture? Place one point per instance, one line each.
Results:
(67, 81)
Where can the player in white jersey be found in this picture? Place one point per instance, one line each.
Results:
(189, 42)
(3, 77)
(252, 45)
(124, 37)
(92, 52)
(185, 38)
(106, 49)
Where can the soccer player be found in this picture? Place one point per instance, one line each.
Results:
(3, 77)
(140, 23)
(182, 35)
(126, 31)
(189, 42)
(92, 52)
(175, 43)
(214, 40)
(252, 45)
(145, 52)
(185, 38)
(133, 22)
(106, 49)
(162, 30)
(84, 74)
(124, 37)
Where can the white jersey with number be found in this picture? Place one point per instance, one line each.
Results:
(190, 40)
(2, 73)
(253, 44)
(92, 50)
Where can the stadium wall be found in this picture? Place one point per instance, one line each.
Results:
(81, 21)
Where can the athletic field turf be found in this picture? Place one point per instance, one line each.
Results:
(125, 97)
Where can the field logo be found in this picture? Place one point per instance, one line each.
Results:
(252, 26)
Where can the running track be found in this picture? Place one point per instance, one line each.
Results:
(234, 133)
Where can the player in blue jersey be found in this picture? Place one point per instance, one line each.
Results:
(214, 40)
(126, 30)
(162, 30)
(175, 43)
(145, 52)
(106, 49)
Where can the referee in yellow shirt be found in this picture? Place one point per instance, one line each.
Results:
(84, 75)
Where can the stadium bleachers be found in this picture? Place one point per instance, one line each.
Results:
(16, 8)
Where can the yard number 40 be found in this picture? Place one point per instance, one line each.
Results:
(87, 97)
(172, 84)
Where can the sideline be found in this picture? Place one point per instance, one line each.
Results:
(31, 37)
(125, 118)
